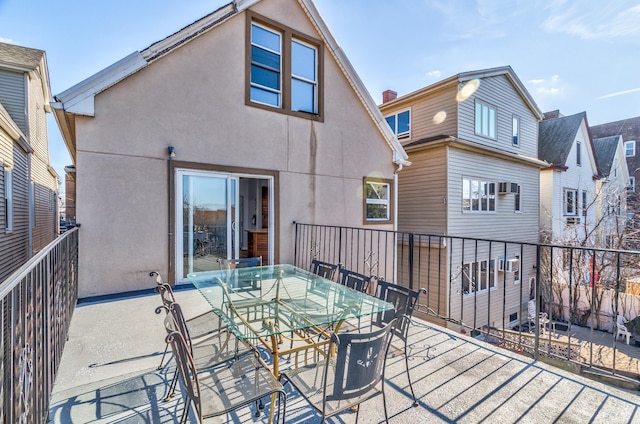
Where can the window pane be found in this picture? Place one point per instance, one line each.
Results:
(485, 120)
(466, 195)
(377, 211)
(302, 96)
(391, 120)
(265, 77)
(377, 191)
(475, 195)
(478, 118)
(403, 122)
(265, 58)
(264, 96)
(268, 39)
(516, 130)
(303, 61)
(492, 123)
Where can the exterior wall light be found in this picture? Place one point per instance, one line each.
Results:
(172, 151)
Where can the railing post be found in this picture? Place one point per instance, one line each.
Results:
(538, 297)
(410, 260)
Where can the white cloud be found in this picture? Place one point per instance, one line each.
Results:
(555, 78)
(536, 81)
(7, 40)
(618, 93)
(543, 90)
(435, 73)
(605, 21)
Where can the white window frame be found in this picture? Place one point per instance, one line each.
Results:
(8, 199)
(485, 116)
(517, 274)
(405, 134)
(485, 196)
(579, 153)
(306, 80)
(627, 144)
(517, 200)
(479, 277)
(632, 184)
(584, 202)
(573, 211)
(386, 202)
(515, 131)
(280, 53)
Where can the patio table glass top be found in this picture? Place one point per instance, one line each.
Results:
(260, 302)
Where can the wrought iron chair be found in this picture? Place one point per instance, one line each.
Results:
(350, 375)
(621, 328)
(404, 301)
(230, 264)
(354, 280)
(205, 324)
(211, 352)
(226, 388)
(543, 318)
(324, 269)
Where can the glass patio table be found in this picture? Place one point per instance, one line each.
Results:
(274, 303)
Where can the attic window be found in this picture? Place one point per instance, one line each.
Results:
(284, 69)
(578, 153)
(400, 124)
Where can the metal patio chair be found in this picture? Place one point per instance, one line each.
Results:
(354, 280)
(205, 324)
(209, 353)
(349, 376)
(404, 301)
(324, 269)
(231, 264)
(543, 318)
(224, 389)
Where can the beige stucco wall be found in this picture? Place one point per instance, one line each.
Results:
(193, 99)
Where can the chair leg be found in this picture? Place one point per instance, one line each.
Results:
(406, 362)
(384, 404)
(163, 355)
(185, 411)
(172, 387)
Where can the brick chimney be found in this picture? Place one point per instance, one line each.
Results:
(388, 95)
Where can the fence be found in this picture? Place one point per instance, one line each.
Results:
(37, 302)
(498, 290)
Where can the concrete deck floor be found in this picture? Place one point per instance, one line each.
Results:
(108, 375)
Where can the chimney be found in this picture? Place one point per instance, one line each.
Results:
(388, 95)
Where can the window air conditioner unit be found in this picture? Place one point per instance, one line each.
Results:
(508, 265)
(507, 188)
(573, 220)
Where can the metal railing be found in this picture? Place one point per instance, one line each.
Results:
(36, 304)
(501, 291)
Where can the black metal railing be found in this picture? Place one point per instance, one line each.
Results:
(502, 291)
(37, 303)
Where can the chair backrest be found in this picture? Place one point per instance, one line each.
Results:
(165, 290)
(323, 269)
(354, 280)
(359, 362)
(186, 367)
(532, 309)
(620, 322)
(239, 263)
(180, 323)
(404, 301)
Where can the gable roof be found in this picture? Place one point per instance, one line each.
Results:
(556, 137)
(507, 71)
(628, 128)
(79, 99)
(605, 151)
(25, 59)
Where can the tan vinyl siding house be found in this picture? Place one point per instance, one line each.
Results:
(449, 152)
(24, 153)
(247, 157)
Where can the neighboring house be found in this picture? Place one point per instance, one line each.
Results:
(28, 184)
(629, 129)
(611, 202)
(568, 211)
(473, 143)
(211, 142)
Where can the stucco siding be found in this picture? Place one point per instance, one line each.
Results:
(500, 93)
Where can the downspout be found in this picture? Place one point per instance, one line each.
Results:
(400, 165)
(172, 153)
(31, 203)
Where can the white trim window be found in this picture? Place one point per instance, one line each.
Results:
(585, 203)
(400, 124)
(517, 200)
(517, 271)
(485, 120)
(377, 201)
(515, 132)
(570, 201)
(632, 184)
(478, 196)
(266, 66)
(479, 277)
(8, 199)
(304, 77)
(630, 148)
(579, 153)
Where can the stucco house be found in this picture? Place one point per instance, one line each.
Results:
(28, 184)
(568, 191)
(611, 187)
(472, 140)
(211, 142)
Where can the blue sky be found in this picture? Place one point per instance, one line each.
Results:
(571, 55)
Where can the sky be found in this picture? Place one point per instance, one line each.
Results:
(571, 55)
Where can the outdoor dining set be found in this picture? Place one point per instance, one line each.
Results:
(270, 326)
